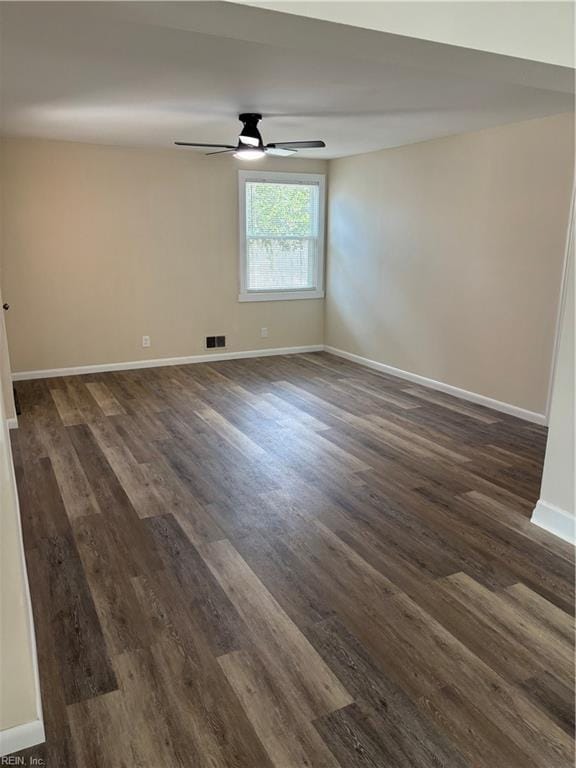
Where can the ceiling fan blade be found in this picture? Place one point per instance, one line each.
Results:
(221, 151)
(297, 144)
(279, 151)
(195, 144)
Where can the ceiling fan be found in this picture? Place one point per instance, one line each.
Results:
(250, 144)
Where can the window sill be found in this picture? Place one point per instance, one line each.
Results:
(280, 295)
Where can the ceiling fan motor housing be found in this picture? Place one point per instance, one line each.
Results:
(250, 135)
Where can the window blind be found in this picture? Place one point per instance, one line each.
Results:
(282, 235)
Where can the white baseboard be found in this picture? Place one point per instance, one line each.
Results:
(12, 422)
(21, 737)
(555, 520)
(473, 397)
(49, 373)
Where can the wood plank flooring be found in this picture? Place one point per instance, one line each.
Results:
(291, 562)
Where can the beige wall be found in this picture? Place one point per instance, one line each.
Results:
(103, 245)
(18, 691)
(445, 257)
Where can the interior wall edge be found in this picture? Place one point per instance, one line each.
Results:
(21, 737)
(21, 718)
(563, 291)
(555, 520)
(463, 394)
(30, 733)
(35, 728)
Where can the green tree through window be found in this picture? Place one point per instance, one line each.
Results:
(276, 210)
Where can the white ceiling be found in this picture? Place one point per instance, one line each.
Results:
(540, 30)
(146, 74)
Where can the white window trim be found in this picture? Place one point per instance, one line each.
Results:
(293, 178)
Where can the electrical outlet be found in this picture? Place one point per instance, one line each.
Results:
(263, 333)
(145, 341)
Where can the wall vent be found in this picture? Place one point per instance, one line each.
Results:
(212, 342)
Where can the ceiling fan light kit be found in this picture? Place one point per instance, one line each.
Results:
(251, 145)
(249, 153)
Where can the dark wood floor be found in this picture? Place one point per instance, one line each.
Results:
(290, 561)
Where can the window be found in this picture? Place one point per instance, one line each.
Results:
(281, 236)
